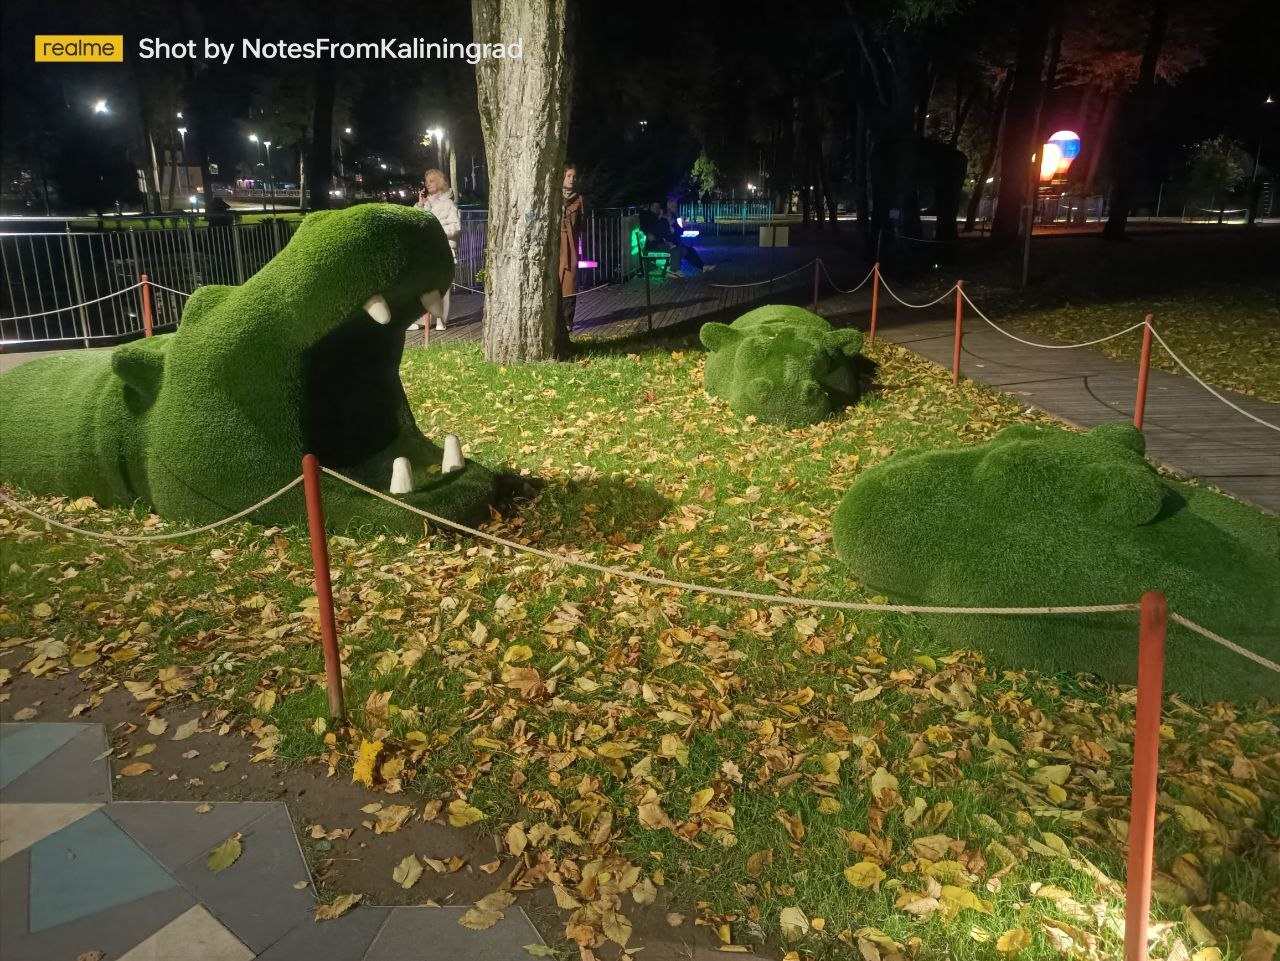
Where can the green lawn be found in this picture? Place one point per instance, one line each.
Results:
(814, 781)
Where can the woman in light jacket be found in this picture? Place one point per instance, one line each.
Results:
(437, 198)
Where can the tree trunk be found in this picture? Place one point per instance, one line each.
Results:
(1136, 123)
(322, 135)
(993, 147)
(524, 116)
(325, 81)
(860, 194)
(1100, 139)
(302, 178)
(1020, 118)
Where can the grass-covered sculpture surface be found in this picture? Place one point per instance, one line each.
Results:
(782, 364)
(303, 357)
(1043, 516)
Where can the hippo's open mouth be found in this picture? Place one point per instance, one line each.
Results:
(355, 415)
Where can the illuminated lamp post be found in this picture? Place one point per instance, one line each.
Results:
(1055, 158)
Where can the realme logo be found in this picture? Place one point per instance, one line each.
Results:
(91, 48)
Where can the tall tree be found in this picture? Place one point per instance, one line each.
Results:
(1020, 120)
(524, 116)
(1136, 111)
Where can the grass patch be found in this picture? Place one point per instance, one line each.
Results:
(739, 756)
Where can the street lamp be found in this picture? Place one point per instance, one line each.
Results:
(100, 106)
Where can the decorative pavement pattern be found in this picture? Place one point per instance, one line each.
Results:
(81, 873)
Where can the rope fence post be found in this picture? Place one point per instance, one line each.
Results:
(817, 265)
(146, 304)
(955, 354)
(324, 589)
(875, 296)
(1153, 620)
(648, 296)
(1144, 366)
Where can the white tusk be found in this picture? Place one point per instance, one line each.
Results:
(452, 460)
(433, 303)
(376, 307)
(401, 476)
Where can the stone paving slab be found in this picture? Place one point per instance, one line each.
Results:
(130, 878)
(255, 897)
(346, 939)
(68, 773)
(175, 834)
(86, 867)
(434, 934)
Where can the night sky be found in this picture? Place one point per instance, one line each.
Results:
(713, 79)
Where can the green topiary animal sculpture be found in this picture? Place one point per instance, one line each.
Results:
(784, 365)
(304, 357)
(1043, 516)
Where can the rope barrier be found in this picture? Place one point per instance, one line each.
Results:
(626, 574)
(181, 293)
(841, 290)
(1193, 376)
(138, 538)
(761, 283)
(60, 310)
(1119, 333)
(937, 300)
(1229, 645)
(663, 582)
(1031, 343)
(785, 598)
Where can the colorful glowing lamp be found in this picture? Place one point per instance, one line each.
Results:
(1057, 155)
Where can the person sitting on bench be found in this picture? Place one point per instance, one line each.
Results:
(659, 236)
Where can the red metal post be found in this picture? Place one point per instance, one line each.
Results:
(875, 296)
(1144, 365)
(1154, 617)
(324, 590)
(817, 265)
(146, 305)
(955, 355)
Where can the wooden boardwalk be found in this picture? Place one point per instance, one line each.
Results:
(1187, 428)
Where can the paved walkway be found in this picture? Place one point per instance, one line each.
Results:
(622, 309)
(1187, 429)
(81, 873)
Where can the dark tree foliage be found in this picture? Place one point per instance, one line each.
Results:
(91, 175)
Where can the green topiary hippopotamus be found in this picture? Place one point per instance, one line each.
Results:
(782, 364)
(304, 357)
(1043, 516)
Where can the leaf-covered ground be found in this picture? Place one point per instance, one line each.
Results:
(826, 785)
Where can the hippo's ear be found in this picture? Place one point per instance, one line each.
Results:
(1123, 434)
(140, 365)
(1122, 495)
(845, 341)
(204, 301)
(715, 335)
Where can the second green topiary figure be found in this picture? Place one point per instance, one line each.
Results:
(783, 365)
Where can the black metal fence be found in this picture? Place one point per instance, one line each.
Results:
(61, 284)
